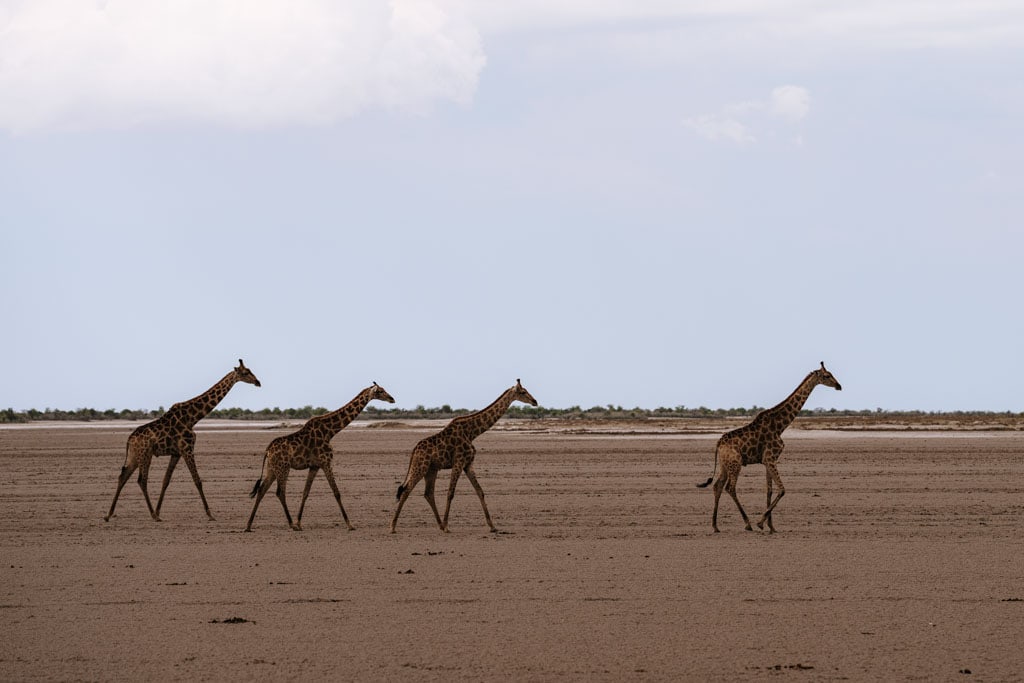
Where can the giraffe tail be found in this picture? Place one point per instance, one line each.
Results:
(408, 477)
(712, 477)
(256, 488)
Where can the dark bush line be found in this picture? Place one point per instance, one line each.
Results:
(609, 412)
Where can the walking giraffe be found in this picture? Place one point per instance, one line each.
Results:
(309, 448)
(761, 442)
(453, 448)
(173, 434)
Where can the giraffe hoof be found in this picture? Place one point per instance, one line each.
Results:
(351, 528)
(760, 525)
(716, 530)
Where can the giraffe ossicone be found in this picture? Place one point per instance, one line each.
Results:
(761, 442)
(452, 448)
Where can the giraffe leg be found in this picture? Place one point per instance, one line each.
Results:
(729, 465)
(122, 479)
(773, 472)
(282, 482)
(471, 475)
(428, 493)
(768, 516)
(329, 473)
(730, 486)
(264, 487)
(305, 494)
(167, 480)
(718, 486)
(144, 485)
(403, 495)
(456, 471)
(190, 462)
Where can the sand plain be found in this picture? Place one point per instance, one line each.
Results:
(898, 558)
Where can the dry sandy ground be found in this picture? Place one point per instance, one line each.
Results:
(898, 557)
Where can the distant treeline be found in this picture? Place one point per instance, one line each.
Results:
(608, 412)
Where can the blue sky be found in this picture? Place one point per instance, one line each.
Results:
(637, 203)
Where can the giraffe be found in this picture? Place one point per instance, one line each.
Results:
(309, 448)
(761, 442)
(453, 448)
(173, 434)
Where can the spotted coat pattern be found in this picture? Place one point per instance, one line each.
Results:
(452, 448)
(309, 448)
(761, 442)
(173, 434)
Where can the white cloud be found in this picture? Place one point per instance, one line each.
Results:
(789, 102)
(714, 127)
(247, 63)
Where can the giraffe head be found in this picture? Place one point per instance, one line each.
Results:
(377, 392)
(244, 374)
(825, 377)
(521, 394)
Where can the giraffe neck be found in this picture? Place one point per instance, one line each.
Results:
(784, 413)
(329, 424)
(192, 411)
(475, 424)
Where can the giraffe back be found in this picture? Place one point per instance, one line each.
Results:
(441, 448)
(163, 436)
(299, 450)
(754, 440)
